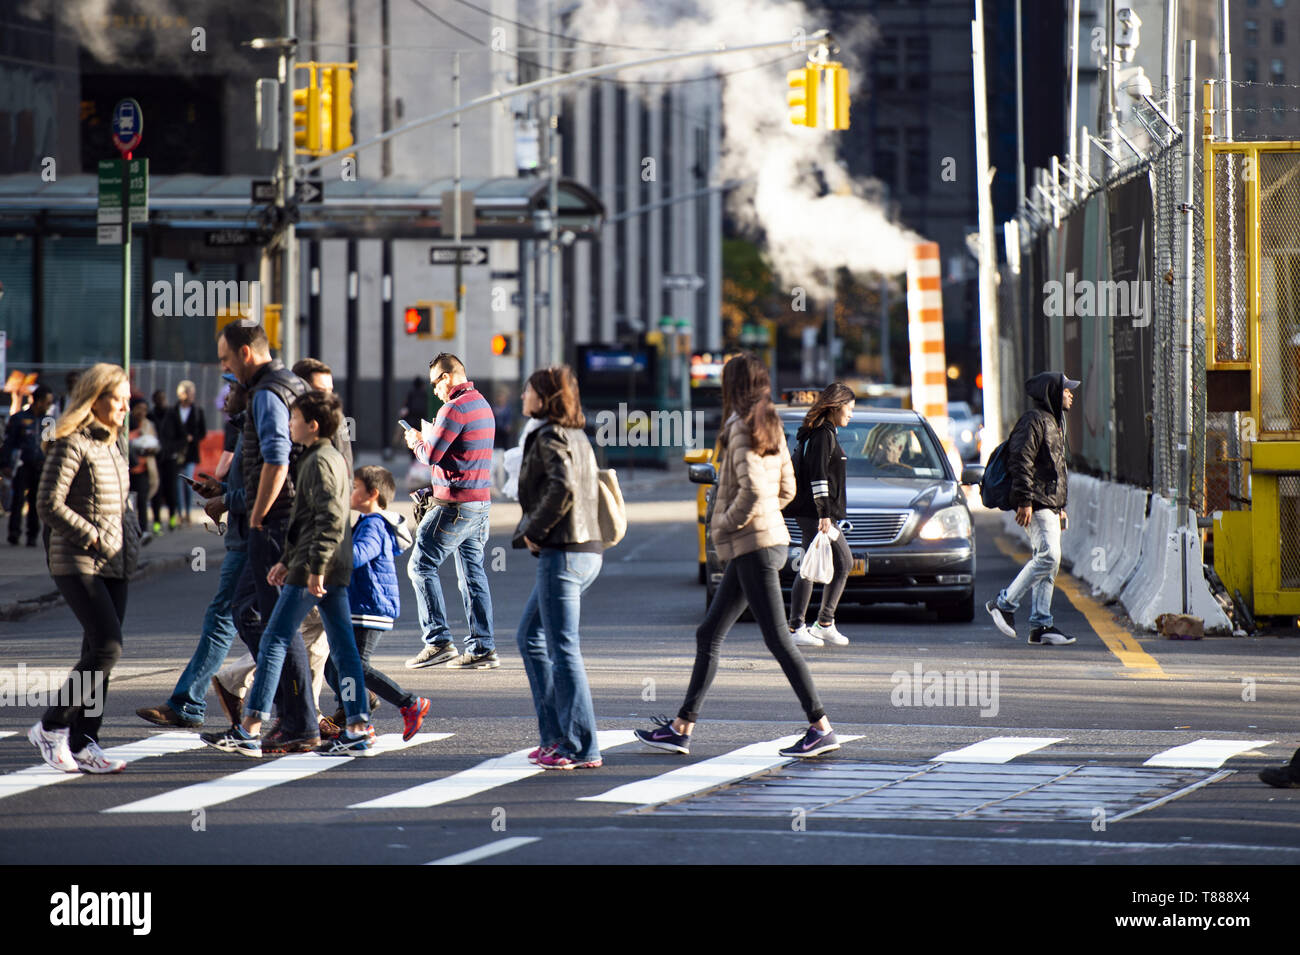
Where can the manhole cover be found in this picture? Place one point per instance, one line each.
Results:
(916, 790)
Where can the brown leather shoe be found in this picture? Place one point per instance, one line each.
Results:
(164, 715)
(231, 705)
(278, 743)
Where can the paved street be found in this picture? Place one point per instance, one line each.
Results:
(1082, 759)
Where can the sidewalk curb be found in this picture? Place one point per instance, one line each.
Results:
(17, 609)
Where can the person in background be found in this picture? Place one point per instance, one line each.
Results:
(561, 527)
(756, 480)
(143, 447)
(92, 544)
(184, 428)
(819, 502)
(21, 459)
(166, 493)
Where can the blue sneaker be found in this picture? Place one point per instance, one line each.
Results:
(348, 745)
(663, 737)
(814, 743)
(235, 740)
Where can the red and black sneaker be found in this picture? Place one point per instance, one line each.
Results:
(413, 717)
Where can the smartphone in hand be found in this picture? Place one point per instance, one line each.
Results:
(405, 425)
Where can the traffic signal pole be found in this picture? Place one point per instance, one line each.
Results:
(286, 238)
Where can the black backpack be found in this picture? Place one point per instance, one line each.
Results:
(995, 487)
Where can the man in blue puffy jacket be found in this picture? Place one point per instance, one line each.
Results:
(377, 538)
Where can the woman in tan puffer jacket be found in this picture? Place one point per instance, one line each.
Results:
(92, 539)
(755, 482)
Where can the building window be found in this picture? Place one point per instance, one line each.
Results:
(916, 62)
(884, 158)
(1252, 33)
(1279, 32)
(917, 170)
(1277, 72)
(885, 64)
(1252, 71)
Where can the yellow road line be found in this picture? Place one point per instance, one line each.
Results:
(1138, 663)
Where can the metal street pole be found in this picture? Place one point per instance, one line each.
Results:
(1020, 100)
(1073, 152)
(457, 225)
(284, 196)
(126, 269)
(988, 257)
(554, 296)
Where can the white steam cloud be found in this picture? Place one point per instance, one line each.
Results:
(815, 216)
(90, 19)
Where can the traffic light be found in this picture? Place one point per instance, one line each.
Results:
(501, 345)
(307, 117)
(338, 80)
(837, 96)
(802, 95)
(271, 322)
(419, 320)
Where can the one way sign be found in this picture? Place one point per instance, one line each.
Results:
(305, 190)
(469, 254)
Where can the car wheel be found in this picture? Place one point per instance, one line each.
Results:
(703, 576)
(957, 611)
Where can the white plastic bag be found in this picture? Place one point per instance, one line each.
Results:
(819, 562)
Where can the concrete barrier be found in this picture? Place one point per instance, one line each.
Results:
(1132, 522)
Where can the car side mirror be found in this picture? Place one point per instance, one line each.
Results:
(972, 474)
(703, 474)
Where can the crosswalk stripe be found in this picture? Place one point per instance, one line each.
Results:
(483, 852)
(997, 749)
(7, 733)
(161, 744)
(283, 769)
(705, 774)
(1205, 753)
(488, 774)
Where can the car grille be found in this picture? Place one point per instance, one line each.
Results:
(870, 528)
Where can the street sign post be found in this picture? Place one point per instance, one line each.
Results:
(263, 190)
(123, 201)
(128, 126)
(468, 255)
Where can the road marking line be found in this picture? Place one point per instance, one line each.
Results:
(997, 749)
(1205, 753)
(489, 774)
(161, 744)
(1117, 640)
(483, 852)
(283, 769)
(8, 733)
(1222, 774)
(706, 774)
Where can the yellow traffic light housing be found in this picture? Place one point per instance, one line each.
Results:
(418, 320)
(802, 95)
(837, 95)
(340, 107)
(307, 118)
(322, 117)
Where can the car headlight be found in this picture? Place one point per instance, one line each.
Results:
(966, 435)
(948, 523)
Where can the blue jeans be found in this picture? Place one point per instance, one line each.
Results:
(1038, 576)
(189, 697)
(459, 530)
(548, 643)
(184, 493)
(282, 630)
(297, 709)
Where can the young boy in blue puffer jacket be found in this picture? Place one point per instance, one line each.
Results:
(378, 537)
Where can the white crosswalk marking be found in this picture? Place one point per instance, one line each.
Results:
(283, 769)
(162, 744)
(488, 774)
(1205, 753)
(998, 749)
(8, 733)
(705, 774)
(483, 852)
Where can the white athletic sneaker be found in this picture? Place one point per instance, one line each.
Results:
(92, 759)
(53, 745)
(803, 637)
(829, 634)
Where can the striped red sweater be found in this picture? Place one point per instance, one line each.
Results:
(461, 453)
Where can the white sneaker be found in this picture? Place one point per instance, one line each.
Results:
(53, 745)
(829, 634)
(92, 759)
(803, 637)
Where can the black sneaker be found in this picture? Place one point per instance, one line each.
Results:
(431, 656)
(814, 743)
(1004, 620)
(1280, 776)
(475, 661)
(663, 736)
(234, 740)
(1049, 636)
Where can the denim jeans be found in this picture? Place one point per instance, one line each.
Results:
(189, 697)
(282, 631)
(1038, 576)
(548, 643)
(184, 493)
(459, 530)
(297, 713)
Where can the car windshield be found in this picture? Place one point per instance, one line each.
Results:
(884, 449)
(959, 409)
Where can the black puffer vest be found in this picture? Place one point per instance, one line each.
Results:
(286, 386)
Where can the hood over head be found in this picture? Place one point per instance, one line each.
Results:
(1046, 389)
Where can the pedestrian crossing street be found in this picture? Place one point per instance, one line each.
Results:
(686, 777)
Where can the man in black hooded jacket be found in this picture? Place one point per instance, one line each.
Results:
(1039, 488)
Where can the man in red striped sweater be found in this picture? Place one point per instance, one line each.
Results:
(461, 458)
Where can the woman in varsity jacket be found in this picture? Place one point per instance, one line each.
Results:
(818, 504)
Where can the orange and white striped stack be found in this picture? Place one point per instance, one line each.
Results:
(925, 336)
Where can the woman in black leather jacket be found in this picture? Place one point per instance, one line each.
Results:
(560, 526)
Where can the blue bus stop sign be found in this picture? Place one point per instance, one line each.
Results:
(128, 125)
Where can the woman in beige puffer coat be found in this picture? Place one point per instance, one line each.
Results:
(92, 539)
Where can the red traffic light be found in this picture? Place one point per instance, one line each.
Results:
(979, 380)
(418, 320)
(501, 345)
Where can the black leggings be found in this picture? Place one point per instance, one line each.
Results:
(167, 471)
(750, 580)
(99, 604)
(378, 683)
(801, 592)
